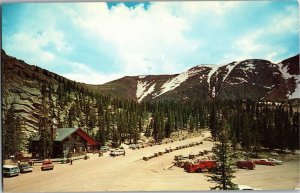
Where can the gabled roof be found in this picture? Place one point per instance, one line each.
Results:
(63, 133)
(89, 139)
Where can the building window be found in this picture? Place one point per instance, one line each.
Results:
(78, 137)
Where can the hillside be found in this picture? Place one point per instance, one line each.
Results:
(34, 93)
(37, 99)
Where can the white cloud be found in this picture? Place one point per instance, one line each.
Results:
(144, 40)
(254, 43)
(168, 37)
(20, 42)
(82, 73)
(286, 22)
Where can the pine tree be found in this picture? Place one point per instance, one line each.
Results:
(11, 133)
(168, 129)
(245, 135)
(45, 125)
(213, 122)
(222, 174)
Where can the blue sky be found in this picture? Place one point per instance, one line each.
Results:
(99, 42)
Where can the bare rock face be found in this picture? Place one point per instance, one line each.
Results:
(21, 88)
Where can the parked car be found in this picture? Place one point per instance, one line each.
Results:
(47, 165)
(204, 165)
(245, 187)
(277, 162)
(264, 162)
(25, 167)
(132, 146)
(250, 165)
(10, 170)
(140, 145)
(104, 148)
(117, 152)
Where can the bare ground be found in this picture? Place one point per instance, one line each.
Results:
(131, 173)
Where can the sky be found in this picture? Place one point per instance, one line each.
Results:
(99, 42)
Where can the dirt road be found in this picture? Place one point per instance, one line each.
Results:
(131, 173)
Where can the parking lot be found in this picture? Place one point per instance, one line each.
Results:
(131, 173)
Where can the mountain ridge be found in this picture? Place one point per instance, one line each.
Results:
(256, 79)
(270, 81)
(24, 87)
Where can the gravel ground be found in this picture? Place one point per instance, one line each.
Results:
(131, 173)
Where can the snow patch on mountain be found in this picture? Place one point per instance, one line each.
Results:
(238, 80)
(229, 68)
(296, 93)
(140, 89)
(284, 71)
(214, 68)
(286, 75)
(148, 91)
(249, 66)
(173, 83)
(176, 81)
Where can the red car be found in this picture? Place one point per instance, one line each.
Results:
(250, 165)
(47, 165)
(264, 162)
(204, 165)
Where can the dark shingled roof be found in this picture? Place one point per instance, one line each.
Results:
(61, 134)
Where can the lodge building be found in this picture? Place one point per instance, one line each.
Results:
(66, 140)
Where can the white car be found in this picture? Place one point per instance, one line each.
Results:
(245, 187)
(117, 152)
(132, 146)
(278, 162)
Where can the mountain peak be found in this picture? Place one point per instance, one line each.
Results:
(250, 78)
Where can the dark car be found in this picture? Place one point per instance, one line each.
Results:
(47, 165)
(24, 167)
(247, 164)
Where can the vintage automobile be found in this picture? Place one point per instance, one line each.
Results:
(104, 148)
(201, 166)
(245, 164)
(132, 146)
(25, 167)
(117, 152)
(277, 162)
(245, 187)
(47, 165)
(264, 162)
(10, 170)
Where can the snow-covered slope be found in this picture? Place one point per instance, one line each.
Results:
(144, 89)
(175, 82)
(253, 78)
(290, 77)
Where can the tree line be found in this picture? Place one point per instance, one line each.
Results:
(252, 124)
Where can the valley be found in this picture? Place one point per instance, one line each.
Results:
(131, 173)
